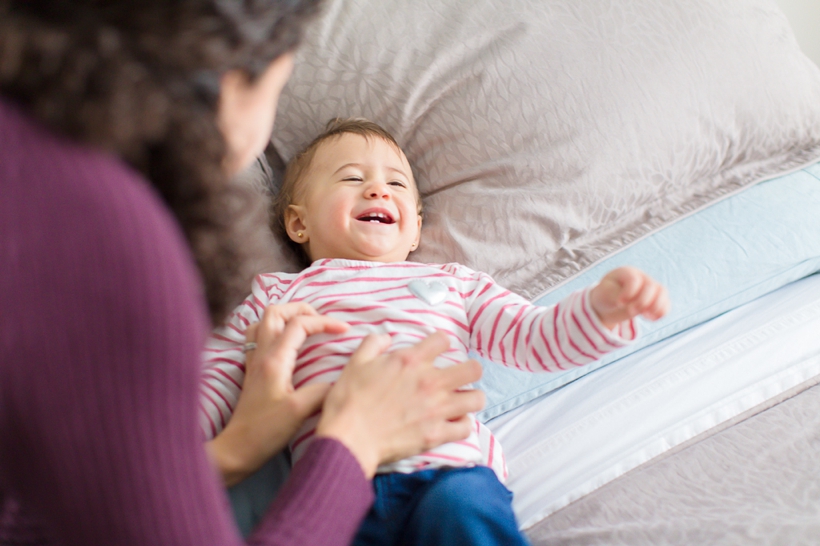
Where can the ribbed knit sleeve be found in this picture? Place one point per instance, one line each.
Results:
(323, 501)
(101, 325)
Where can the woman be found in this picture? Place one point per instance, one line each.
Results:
(120, 124)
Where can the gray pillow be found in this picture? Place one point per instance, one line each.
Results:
(548, 134)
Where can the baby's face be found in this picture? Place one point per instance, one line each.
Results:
(358, 202)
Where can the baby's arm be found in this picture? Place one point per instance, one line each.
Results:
(625, 293)
(510, 330)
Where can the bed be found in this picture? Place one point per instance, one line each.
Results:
(553, 140)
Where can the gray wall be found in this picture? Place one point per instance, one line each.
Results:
(804, 16)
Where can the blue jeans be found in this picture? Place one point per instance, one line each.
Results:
(448, 507)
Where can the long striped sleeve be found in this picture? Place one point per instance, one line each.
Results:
(510, 330)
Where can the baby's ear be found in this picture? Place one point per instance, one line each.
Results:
(295, 224)
(418, 234)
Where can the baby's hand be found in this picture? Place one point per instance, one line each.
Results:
(627, 292)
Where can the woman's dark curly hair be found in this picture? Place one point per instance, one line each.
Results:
(141, 80)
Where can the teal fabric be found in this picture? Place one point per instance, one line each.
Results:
(721, 257)
(251, 498)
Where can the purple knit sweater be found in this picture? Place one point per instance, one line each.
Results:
(101, 324)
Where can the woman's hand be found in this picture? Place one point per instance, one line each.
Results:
(625, 293)
(269, 410)
(385, 407)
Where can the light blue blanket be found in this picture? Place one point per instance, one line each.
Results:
(721, 257)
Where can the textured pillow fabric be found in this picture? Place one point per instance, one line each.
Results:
(547, 134)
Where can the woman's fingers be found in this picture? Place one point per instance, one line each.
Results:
(461, 374)
(277, 357)
(283, 329)
(424, 352)
(250, 336)
(427, 349)
(276, 317)
(370, 347)
(250, 333)
(460, 403)
(282, 313)
(450, 431)
(300, 328)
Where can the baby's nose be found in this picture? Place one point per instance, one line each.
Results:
(377, 189)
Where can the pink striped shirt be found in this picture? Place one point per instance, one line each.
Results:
(408, 301)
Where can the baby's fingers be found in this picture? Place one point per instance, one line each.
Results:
(641, 301)
(630, 281)
(659, 307)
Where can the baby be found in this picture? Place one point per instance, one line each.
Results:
(350, 204)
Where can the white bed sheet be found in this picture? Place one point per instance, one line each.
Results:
(568, 443)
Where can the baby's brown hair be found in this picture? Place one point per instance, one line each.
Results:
(300, 164)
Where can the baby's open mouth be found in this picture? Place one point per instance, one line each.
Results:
(378, 217)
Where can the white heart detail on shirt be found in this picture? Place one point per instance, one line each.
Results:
(431, 292)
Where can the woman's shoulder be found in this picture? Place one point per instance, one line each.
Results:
(53, 176)
(83, 214)
(75, 194)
